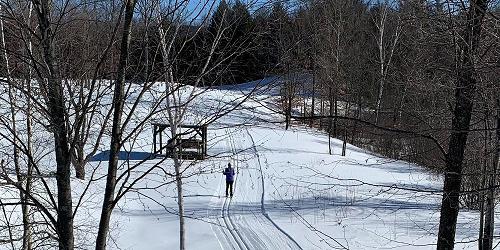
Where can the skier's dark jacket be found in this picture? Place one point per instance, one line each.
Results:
(229, 173)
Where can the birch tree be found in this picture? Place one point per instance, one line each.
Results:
(386, 47)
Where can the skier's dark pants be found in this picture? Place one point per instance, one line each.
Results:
(229, 186)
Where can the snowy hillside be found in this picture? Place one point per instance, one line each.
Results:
(289, 193)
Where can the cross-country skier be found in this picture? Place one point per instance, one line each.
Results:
(229, 173)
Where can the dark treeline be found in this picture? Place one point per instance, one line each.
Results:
(414, 80)
(392, 64)
(88, 31)
(238, 25)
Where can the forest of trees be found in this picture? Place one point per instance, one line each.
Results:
(409, 79)
(414, 80)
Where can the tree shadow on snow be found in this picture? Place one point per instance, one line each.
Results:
(123, 155)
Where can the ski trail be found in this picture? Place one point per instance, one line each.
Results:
(231, 228)
(218, 227)
(237, 168)
(240, 223)
(224, 229)
(220, 214)
(262, 203)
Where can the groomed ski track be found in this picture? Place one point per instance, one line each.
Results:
(242, 222)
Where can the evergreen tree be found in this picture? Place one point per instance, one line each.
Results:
(238, 35)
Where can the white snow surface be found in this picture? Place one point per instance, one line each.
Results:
(290, 193)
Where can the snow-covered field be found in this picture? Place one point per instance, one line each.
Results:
(289, 192)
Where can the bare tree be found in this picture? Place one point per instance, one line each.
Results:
(53, 88)
(464, 102)
(48, 90)
(180, 98)
(489, 221)
(385, 48)
(116, 133)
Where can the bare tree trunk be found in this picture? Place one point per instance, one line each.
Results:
(381, 52)
(58, 125)
(330, 120)
(116, 132)
(180, 202)
(174, 112)
(489, 224)
(464, 96)
(379, 97)
(384, 58)
(288, 97)
(146, 46)
(78, 158)
(346, 127)
(289, 107)
(322, 105)
(336, 112)
(313, 96)
(401, 106)
(344, 143)
(27, 242)
(358, 116)
(304, 100)
(481, 195)
(15, 150)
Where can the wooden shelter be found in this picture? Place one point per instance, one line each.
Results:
(190, 144)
